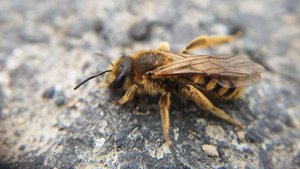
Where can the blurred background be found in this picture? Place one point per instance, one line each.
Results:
(46, 47)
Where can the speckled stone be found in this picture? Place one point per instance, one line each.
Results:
(46, 45)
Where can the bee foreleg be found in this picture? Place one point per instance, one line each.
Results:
(164, 105)
(192, 93)
(205, 41)
(129, 95)
(164, 46)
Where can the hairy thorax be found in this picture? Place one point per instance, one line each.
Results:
(144, 61)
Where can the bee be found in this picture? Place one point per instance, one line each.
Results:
(194, 77)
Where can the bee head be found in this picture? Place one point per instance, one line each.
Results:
(118, 73)
(121, 70)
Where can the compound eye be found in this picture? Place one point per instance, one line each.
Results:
(118, 82)
(124, 70)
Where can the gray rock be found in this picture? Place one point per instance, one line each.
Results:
(59, 98)
(48, 44)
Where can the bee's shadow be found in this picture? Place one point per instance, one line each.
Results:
(183, 112)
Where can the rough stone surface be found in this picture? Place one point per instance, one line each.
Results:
(54, 43)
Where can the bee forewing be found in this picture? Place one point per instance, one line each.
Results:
(227, 71)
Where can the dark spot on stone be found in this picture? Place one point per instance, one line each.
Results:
(296, 159)
(39, 161)
(59, 98)
(60, 125)
(254, 135)
(236, 29)
(85, 66)
(98, 25)
(6, 166)
(221, 167)
(140, 30)
(270, 145)
(22, 147)
(265, 159)
(17, 133)
(48, 93)
(277, 128)
(247, 166)
(286, 119)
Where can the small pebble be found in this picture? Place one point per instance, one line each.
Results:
(210, 150)
(72, 103)
(17, 133)
(242, 147)
(287, 120)
(241, 135)
(98, 143)
(201, 121)
(140, 30)
(60, 125)
(254, 135)
(59, 98)
(22, 147)
(48, 93)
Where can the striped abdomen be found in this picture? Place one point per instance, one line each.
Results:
(210, 86)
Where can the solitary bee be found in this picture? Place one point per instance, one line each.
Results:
(193, 77)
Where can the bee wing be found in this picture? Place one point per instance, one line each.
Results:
(227, 71)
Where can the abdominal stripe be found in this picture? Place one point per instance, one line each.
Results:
(229, 91)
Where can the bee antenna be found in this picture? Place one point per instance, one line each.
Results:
(92, 77)
(106, 57)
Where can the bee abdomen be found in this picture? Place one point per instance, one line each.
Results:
(232, 93)
(210, 85)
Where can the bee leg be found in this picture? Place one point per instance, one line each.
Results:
(164, 105)
(164, 46)
(190, 92)
(205, 41)
(129, 95)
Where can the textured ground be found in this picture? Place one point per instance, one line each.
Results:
(46, 47)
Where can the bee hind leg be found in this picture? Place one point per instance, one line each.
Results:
(164, 105)
(192, 93)
(129, 95)
(205, 41)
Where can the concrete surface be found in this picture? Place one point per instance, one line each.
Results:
(46, 47)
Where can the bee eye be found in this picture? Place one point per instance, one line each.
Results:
(118, 82)
(124, 70)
